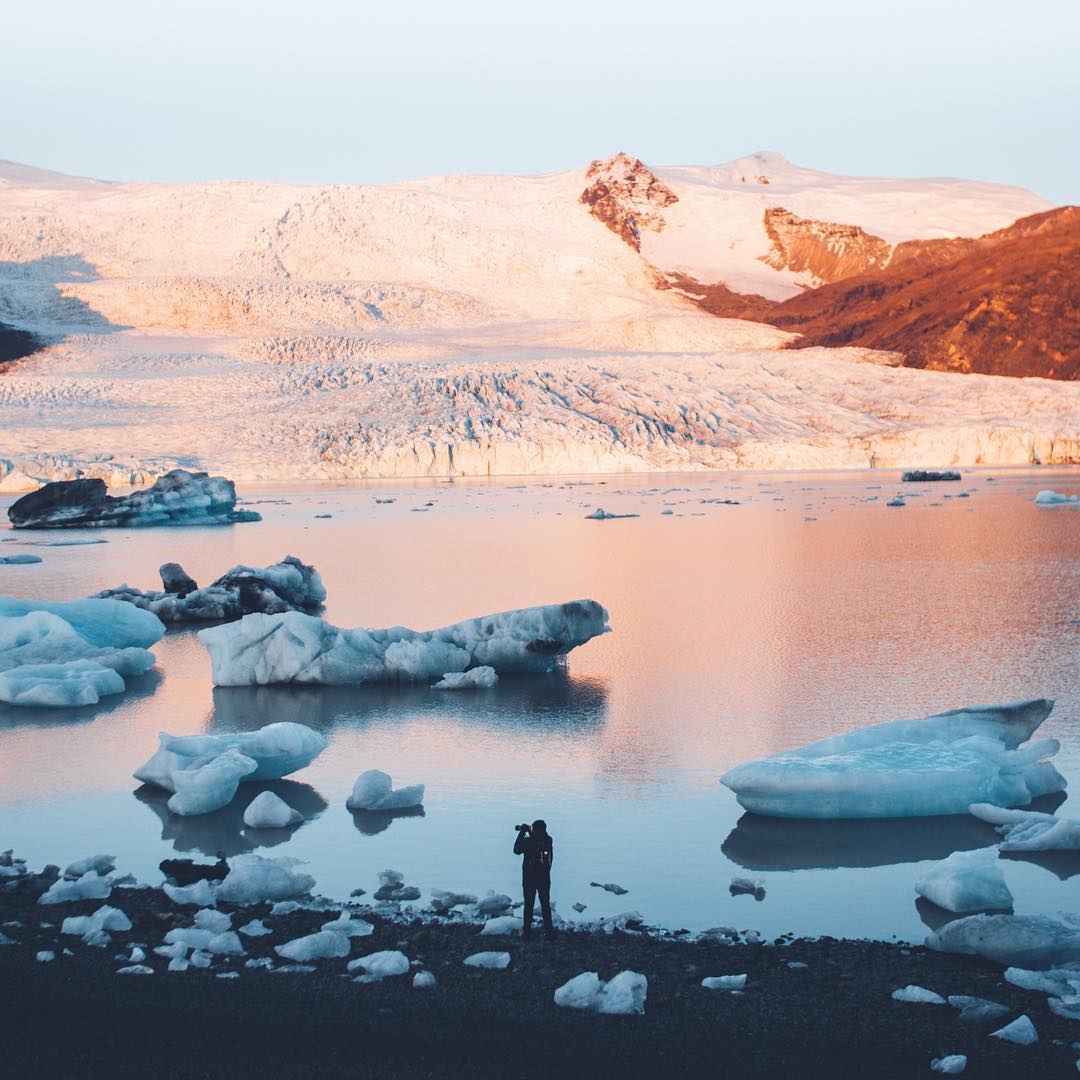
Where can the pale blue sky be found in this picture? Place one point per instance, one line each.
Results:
(357, 92)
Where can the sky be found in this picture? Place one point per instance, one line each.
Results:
(324, 91)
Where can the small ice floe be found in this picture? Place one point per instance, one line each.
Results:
(137, 955)
(624, 920)
(216, 922)
(350, 927)
(204, 771)
(922, 476)
(477, 678)
(255, 928)
(45, 956)
(423, 980)
(19, 560)
(442, 900)
(917, 995)
(897, 500)
(285, 907)
(374, 790)
(268, 811)
(600, 514)
(724, 982)
(623, 995)
(797, 965)
(319, 517)
(580, 907)
(1027, 830)
(966, 881)
(98, 864)
(492, 961)
(323, 945)
(610, 887)
(91, 886)
(202, 893)
(380, 965)
(1053, 498)
(1028, 941)
(503, 924)
(253, 879)
(392, 887)
(90, 926)
(977, 1009)
(950, 1064)
(493, 904)
(741, 886)
(135, 969)
(1021, 1031)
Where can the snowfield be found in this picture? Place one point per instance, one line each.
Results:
(464, 326)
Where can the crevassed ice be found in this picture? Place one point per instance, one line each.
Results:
(908, 768)
(294, 647)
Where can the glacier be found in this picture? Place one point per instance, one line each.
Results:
(294, 647)
(939, 764)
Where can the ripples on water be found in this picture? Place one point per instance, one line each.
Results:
(739, 631)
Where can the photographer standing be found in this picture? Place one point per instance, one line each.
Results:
(538, 852)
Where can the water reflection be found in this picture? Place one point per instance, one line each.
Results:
(1062, 864)
(224, 830)
(373, 822)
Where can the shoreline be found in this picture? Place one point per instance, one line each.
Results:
(832, 1017)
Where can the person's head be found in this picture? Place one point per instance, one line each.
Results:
(539, 826)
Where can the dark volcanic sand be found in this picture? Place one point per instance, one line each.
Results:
(76, 1017)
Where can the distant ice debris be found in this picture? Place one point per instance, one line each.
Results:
(177, 498)
(908, 768)
(19, 560)
(1053, 498)
(289, 585)
(950, 1064)
(62, 654)
(1027, 830)
(610, 887)
(374, 790)
(477, 678)
(579, 907)
(623, 995)
(323, 945)
(742, 886)
(294, 647)
(1026, 941)
(897, 501)
(253, 879)
(380, 965)
(917, 995)
(392, 887)
(724, 982)
(1021, 1031)
(600, 514)
(204, 771)
(442, 900)
(492, 961)
(922, 476)
(966, 881)
(268, 811)
(493, 904)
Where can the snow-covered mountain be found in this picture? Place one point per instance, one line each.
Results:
(486, 324)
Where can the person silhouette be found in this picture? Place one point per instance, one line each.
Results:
(537, 851)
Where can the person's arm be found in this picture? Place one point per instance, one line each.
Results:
(521, 843)
(552, 842)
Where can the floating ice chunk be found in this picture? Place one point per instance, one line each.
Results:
(294, 647)
(493, 961)
(922, 476)
(580, 907)
(90, 886)
(320, 946)
(202, 893)
(897, 500)
(19, 560)
(423, 980)
(610, 887)
(105, 918)
(107, 624)
(1052, 498)
(1027, 941)
(135, 969)
(1021, 1031)
(623, 995)
(1027, 830)
(205, 787)
(623, 920)
(381, 965)
(724, 982)
(255, 878)
(977, 1009)
(268, 811)
(907, 768)
(477, 678)
(493, 904)
(373, 790)
(950, 1064)
(917, 995)
(227, 975)
(216, 921)
(70, 685)
(255, 928)
(443, 900)
(349, 926)
(503, 924)
(99, 864)
(600, 514)
(966, 881)
(741, 886)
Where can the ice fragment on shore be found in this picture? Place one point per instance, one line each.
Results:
(380, 965)
(255, 928)
(477, 678)
(349, 926)
(1026, 941)
(216, 921)
(443, 900)
(917, 995)
(493, 904)
(950, 1064)
(423, 980)
(724, 982)
(1021, 1031)
(104, 919)
(623, 995)
(976, 1009)
(135, 969)
(202, 893)
(374, 790)
(90, 886)
(255, 878)
(966, 881)
(45, 956)
(1053, 498)
(323, 945)
(268, 811)
(493, 961)
(1027, 830)
(99, 864)
(503, 924)
(907, 768)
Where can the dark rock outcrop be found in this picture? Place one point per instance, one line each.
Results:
(828, 250)
(177, 498)
(921, 476)
(174, 579)
(627, 197)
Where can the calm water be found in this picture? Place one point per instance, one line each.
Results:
(739, 631)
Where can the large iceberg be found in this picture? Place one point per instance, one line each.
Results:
(70, 654)
(204, 771)
(1027, 941)
(177, 498)
(289, 585)
(908, 768)
(1027, 830)
(294, 647)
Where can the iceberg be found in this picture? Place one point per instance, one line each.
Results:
(255, 878)
(101, 623)
(289, 585)
(967, 881)
(477, 678)
(1053, 498)
(908, 768)
(623, 995)
(373, 790)
(1027, 830)
(19, 560)
(324, 945)
(269, 811)
(178, 497)
(1022, 941)
(204, 771)
(294, 647)
(442, 900)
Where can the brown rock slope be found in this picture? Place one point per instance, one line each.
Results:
(627, 197)
(828, 250)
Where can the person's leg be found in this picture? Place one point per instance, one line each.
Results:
(544, 888)
(530, 902)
